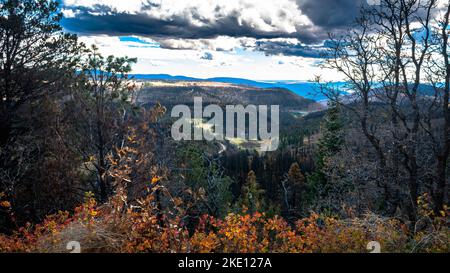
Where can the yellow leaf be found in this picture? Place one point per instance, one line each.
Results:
(155, 180)
(5, 204)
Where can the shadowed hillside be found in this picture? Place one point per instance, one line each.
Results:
(182, 92)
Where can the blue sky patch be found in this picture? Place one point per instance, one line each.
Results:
(138, 42)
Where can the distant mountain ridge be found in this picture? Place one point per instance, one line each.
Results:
(213, 92)
(308, 90)
(305, 89)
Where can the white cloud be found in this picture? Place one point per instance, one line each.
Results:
(238, 63)
(281, 15)
(221, 43)
(230, 59)
(130, 6)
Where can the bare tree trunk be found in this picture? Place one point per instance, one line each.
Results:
(441, 187)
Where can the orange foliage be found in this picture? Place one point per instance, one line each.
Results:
(144, 230)
(144, 225)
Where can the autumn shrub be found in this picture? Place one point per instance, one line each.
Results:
(116, 227)
(431, 231)
(157, 222)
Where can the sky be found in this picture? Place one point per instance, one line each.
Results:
(253, 39)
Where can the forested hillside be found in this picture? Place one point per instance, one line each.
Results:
(182, 92)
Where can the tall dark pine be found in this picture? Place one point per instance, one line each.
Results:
(331, 140)
(36, 61)
(34, 55)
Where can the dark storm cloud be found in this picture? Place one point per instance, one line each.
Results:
(177, 27)
(289, 49)
(326, 16)
(331, 14)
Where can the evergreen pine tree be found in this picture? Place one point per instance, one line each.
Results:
(297, 182)
(293, 189)
(331, 139)
(205, 174)
(252, 196)
(330, 143)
